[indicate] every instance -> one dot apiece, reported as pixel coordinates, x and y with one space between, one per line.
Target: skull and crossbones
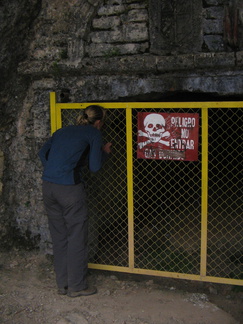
154 126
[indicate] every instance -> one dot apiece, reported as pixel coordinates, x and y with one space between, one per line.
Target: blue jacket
64 153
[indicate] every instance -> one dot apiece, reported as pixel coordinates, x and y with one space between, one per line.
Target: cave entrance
179 219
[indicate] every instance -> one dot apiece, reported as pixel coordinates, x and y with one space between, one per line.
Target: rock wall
112 50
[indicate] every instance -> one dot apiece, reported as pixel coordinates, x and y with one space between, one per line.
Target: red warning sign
168 136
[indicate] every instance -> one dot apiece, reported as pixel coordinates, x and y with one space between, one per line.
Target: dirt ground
28 296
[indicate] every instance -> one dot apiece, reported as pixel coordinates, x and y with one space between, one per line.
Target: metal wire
162 217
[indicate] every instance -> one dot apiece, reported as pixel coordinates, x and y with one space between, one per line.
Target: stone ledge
1 170
173 63
239 58
135 64
214 60
109 50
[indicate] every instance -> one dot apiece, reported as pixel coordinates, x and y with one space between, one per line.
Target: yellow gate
178 219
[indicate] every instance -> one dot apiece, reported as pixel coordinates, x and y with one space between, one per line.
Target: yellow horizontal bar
84 105
166 274
154 105
175 275
108 267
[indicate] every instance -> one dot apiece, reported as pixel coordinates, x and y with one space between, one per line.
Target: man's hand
107 148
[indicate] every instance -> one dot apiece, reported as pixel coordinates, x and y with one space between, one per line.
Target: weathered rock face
112 50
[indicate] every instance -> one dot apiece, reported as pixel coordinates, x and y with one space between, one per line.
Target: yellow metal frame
56 122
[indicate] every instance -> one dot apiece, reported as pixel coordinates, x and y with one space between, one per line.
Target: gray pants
68 223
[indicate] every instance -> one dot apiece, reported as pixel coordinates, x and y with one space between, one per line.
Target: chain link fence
148 216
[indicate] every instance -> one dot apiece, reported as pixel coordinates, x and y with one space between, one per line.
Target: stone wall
1 171
112 50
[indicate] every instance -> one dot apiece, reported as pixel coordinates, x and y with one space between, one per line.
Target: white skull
154 125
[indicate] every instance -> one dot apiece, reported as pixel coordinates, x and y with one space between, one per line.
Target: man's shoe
62 291
84 292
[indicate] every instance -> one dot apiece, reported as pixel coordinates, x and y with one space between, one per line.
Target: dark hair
91 114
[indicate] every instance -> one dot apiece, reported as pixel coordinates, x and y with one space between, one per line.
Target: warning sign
163 136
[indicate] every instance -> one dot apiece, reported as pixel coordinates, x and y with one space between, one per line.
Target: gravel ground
28 296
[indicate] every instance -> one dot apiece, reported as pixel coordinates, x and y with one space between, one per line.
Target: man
65 199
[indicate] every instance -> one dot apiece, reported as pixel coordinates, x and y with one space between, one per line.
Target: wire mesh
166 211
167 200
225 227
